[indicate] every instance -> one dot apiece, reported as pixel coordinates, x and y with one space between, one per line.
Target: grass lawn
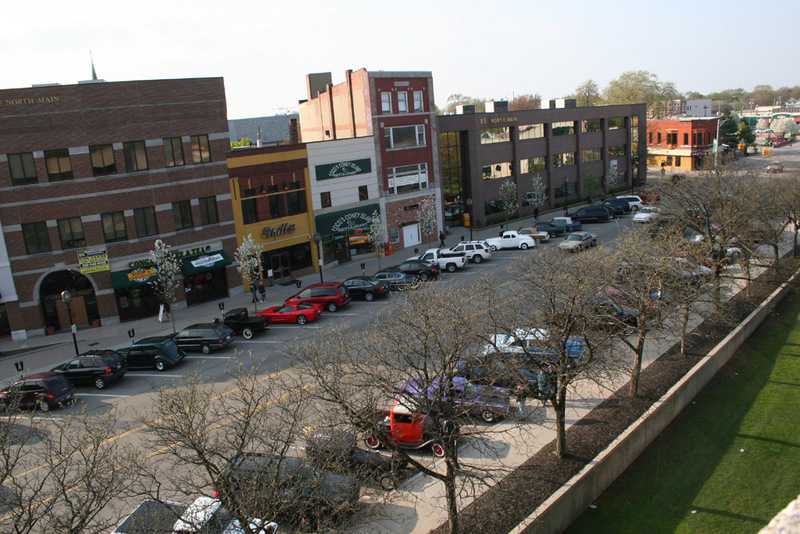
694 478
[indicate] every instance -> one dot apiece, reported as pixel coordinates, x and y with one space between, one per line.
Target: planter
51 330
95 323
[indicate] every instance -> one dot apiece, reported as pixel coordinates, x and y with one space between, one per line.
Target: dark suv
97 367
591 214
40 390
157 352
204 337
332 295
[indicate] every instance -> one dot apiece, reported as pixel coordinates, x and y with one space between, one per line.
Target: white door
411 235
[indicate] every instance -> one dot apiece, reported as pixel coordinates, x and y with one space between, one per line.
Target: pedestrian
441 239
543 383
522 396
536 214
262 292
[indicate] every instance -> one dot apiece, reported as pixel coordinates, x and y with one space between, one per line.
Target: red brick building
680 144
90 176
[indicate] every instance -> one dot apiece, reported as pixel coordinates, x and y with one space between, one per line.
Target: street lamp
66 298
469 207
318 240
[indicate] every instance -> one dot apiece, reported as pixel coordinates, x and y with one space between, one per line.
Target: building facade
680 144
90 176
569 150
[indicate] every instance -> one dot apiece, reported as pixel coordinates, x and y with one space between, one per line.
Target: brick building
680 144
90 176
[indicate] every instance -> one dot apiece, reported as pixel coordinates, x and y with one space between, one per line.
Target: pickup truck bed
239 320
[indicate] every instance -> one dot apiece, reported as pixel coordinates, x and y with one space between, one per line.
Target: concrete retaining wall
564 506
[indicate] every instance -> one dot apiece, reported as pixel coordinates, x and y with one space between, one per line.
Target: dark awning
206 262
133 277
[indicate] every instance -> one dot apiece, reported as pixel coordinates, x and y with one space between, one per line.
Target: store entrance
281 268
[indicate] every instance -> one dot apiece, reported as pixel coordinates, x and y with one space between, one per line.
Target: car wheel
537 241
388 482
99 383
301 319
488 416
205 348
451 267
570 229
424 277
369 297
332 307
477 258
247 333
493 248
372 442
160 365
438 450
551 235
44 406
523 246
594 242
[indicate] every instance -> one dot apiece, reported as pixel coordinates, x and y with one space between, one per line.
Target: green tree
591 184
640 86
728 131
746 134
459 100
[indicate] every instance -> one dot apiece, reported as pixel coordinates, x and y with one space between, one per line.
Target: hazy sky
492 49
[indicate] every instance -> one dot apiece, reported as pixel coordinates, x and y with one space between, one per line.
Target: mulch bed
518 494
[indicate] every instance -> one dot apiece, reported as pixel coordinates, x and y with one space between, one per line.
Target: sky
492 49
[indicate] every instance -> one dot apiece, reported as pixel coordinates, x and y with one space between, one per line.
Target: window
592 154
325 199
36 237
182 215
135 156
402 102
208 211
102 160
564 128
419 106
386 103
70 231
537 163
697 138
408 178
277 209
59 166
685 138
145 220
563 159
496 170
405 136
531 131
173 152
677 161
249 211
394 235
201 153
591 125
495 135
672 138
615 123
296 201
659 138
23 169
651 137
617 150
114 226
363 194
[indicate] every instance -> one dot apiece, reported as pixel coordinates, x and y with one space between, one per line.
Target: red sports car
299 313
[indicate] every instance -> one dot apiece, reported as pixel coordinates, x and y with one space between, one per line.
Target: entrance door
411 235
281 268
78 310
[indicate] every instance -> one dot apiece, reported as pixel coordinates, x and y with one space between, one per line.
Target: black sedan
366 287
551 228
426 270
615 210
398 280
95 367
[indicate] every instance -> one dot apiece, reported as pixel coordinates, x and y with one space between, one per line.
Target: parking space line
101 395
210 357
159 375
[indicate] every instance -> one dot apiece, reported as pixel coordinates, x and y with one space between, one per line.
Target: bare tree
166 283
788 201
248 256
588 92
527 101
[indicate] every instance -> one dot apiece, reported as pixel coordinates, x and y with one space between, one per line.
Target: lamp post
469 208
66 298
566 197
318 240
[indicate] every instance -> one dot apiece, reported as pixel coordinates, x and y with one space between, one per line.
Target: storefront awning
133 277
206 262
346 220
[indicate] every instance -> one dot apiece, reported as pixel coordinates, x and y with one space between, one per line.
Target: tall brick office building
90 176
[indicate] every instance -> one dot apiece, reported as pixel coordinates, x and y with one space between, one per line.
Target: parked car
409 430
615 211
511 239
553 229
445 258
775 166
426 270
399 280
533 345
300 313
609 314
332 295
476 251
578 241
157 352
618 203
635 201
366 287
537 235
646 215
498 372
205 337
95 367
293 485
568 223
239 320
458 395
40 390
335 450
591 214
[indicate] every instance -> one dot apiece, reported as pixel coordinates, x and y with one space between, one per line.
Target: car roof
153 340
324 284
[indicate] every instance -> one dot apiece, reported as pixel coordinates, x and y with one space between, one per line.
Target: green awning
346 220
204 263
133 277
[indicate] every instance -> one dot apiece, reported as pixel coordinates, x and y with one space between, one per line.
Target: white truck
446 259
511 239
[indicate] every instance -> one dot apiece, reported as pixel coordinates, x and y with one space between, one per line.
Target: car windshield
575 237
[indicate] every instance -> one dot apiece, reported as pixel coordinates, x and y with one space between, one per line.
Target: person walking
543 383
441 239
262 292
536 214
522 396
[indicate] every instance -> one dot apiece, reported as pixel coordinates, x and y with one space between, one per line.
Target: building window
402 102
615 123
564 128
685 138
277 208
591 125
135 156
23 169
173 152
296 201
651 137
697 138
363 194
386 103
531 131
495 135
405 136
672 138
497 170
537 163
658 137
36 237
102 157
408 178
249 211
677 161
208 211
114 226
669 161
394 235
617 150
592 154
564 159
419 106
145 219
201 153
182 215
59 166
325 199
70 231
